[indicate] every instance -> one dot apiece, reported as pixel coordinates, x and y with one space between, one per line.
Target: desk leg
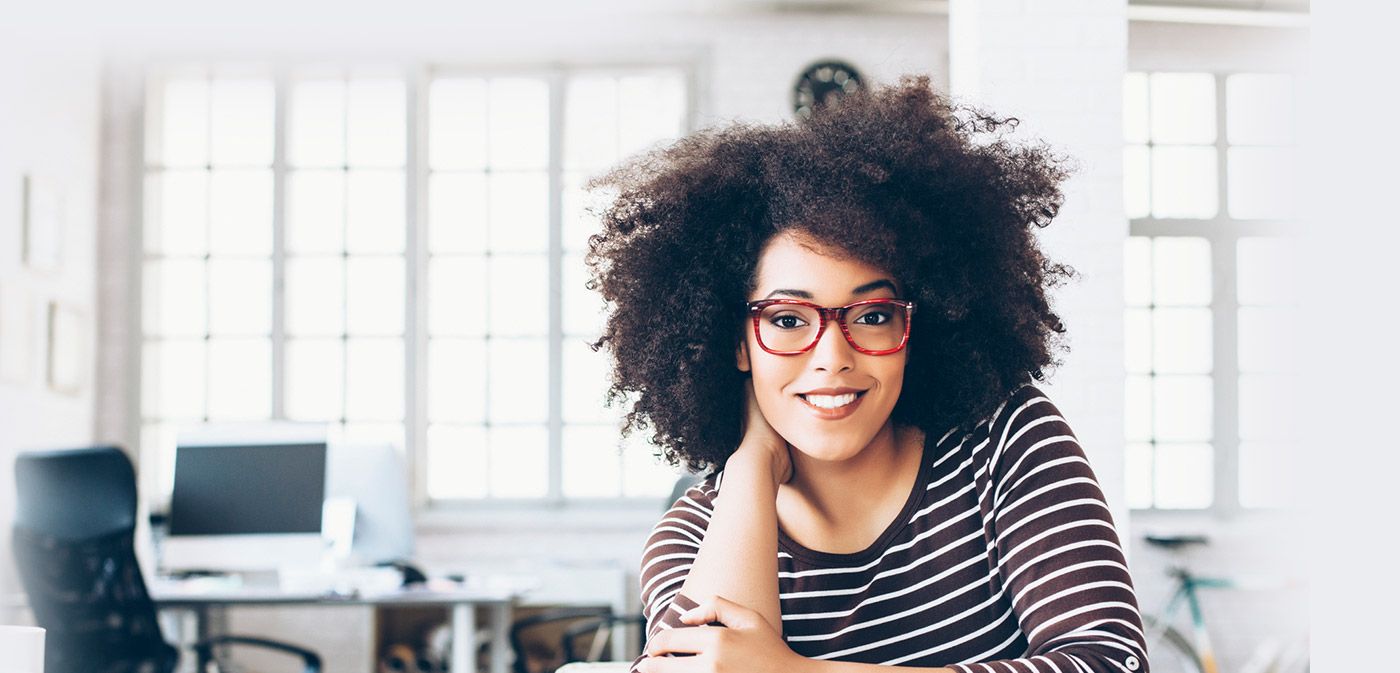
500 637
463 638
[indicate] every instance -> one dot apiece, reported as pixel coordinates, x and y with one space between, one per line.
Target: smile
832 407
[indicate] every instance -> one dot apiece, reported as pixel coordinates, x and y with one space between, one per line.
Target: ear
741 356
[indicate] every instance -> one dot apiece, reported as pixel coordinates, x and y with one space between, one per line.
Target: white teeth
830 401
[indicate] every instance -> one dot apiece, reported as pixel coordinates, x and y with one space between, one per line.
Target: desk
199 601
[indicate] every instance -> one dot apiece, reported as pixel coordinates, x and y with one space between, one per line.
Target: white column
1058 66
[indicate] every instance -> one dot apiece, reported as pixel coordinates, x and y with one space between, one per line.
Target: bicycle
1169 651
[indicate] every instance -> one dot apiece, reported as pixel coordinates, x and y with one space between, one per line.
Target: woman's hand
742 641
760 438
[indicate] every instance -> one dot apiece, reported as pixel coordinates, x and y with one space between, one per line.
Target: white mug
22 648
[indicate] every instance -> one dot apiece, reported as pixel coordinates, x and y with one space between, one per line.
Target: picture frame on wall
16 335
43 216
65 349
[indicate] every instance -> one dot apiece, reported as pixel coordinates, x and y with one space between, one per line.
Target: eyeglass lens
790 327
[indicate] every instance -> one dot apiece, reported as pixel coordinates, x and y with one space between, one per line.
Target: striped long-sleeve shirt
1003 560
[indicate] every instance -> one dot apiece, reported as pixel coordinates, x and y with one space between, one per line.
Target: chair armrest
205 650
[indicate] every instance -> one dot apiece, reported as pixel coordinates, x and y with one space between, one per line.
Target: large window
399 256
1207 166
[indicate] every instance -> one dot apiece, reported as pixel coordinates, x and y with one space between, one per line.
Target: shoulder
688 517
1027 422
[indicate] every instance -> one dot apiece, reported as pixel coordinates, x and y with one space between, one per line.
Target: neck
837 490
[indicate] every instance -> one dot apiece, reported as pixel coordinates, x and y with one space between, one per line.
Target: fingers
682 640
723 611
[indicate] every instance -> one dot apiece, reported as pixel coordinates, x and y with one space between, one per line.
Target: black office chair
75 519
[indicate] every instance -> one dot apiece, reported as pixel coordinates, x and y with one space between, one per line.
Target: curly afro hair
898 177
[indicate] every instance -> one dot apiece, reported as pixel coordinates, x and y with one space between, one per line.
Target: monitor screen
248 490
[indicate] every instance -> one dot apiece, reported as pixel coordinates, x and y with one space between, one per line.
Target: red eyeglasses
794 326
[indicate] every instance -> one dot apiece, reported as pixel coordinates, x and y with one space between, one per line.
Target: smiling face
792 266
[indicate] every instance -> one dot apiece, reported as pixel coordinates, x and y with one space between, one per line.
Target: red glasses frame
837 313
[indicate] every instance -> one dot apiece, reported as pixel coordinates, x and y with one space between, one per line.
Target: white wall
49 115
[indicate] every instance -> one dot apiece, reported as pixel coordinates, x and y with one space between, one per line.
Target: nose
832 352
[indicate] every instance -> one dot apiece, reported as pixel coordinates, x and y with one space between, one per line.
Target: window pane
1182 408
1137 271
584 309
458 456
1181 273
375 433
184 120
374 203
519 206
651 109
591 462
1268 407
644 475
1262 182
157 459
519 461
315 288
457 295
457 124
374 388
1135 108
1183 108
457 213
316 211
240 212
315 379
316 123
376 114
1137 340
1267 271
1259 109
1184 476
173 301
1137 181
240 122
586 375
240 297
1269 474
1137 408
374 289
1184 182
519 380
240 379
457 380
1181 341
1268 341
575 204
519 122
590 123
519 295
1137 468
177 219
172 379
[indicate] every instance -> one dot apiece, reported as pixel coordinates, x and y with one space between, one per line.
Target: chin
832 449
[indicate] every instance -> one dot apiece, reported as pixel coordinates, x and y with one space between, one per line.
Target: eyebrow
803 294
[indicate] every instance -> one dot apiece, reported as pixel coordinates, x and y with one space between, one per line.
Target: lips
837 413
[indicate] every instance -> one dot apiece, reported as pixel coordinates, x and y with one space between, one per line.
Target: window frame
1223 233
621 512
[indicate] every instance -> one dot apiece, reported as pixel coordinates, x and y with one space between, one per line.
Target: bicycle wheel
1168 651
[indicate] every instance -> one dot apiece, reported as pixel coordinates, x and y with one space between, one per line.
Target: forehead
792 262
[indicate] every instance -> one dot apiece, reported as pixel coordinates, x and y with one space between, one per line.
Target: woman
845 315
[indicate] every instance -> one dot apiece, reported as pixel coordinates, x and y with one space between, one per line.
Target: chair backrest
72 540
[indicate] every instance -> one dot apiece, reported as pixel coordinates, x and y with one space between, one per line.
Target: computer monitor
372 476
247 498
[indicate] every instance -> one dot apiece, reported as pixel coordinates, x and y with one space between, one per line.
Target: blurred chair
75 519
594 623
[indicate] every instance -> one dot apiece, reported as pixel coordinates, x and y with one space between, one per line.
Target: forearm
738 558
